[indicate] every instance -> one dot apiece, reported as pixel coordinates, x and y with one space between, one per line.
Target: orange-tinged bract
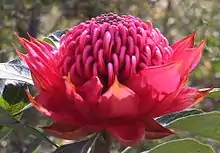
114 74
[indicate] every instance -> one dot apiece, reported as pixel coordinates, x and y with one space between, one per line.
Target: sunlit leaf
182 146
215 93
3 103
14 108
26 107
205 124
15 77
174 116
15 70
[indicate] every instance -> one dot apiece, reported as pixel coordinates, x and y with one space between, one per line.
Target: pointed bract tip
18 37
36 105
161 132
21 55
16 34
202 44
191 36
194 33
31 37
200 95
205 90
22 40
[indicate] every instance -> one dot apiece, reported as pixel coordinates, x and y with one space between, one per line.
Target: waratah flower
114 74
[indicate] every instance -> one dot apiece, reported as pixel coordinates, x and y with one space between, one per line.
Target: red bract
114 74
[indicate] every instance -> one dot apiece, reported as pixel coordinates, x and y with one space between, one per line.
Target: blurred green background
175 19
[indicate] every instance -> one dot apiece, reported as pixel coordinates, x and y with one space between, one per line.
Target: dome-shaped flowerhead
114 74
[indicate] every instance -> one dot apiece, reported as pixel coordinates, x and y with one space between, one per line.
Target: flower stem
108 139
91 148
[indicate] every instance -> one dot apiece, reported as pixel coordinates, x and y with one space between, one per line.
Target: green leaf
26 107
12 109
182 146
174 116
16 107
205 124
33 145
214 93
3 103
5 118
15 93
8 122
38 134
77 147
50 41
15 77
84 146
54 38
4 132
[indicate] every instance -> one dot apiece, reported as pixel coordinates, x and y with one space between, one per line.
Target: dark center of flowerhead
110 18
114 19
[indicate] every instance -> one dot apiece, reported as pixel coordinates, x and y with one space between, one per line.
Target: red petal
53 107
50 49
38 76
128 134
153 83
40 48
40 81
66 131
38 106
187 98
42 63
148 96
91 90
91 94
164 78
155 131
198 54
79 103
161 106
179 46
119 101
190 57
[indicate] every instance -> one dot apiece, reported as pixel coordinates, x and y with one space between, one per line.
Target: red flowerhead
114 74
